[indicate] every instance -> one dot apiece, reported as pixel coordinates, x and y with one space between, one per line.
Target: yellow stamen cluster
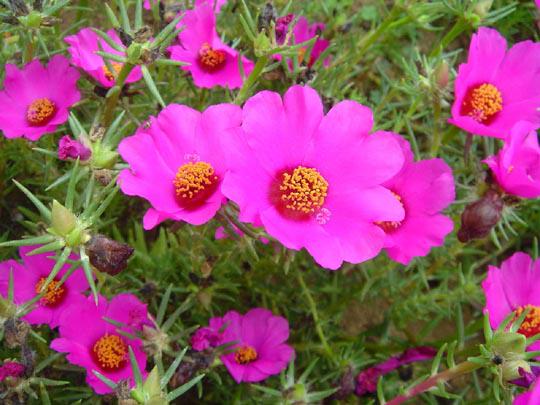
485 101
111 76
211 59
245 355
192 178
389 226
303 190
53 294
40 111
110 352
531 323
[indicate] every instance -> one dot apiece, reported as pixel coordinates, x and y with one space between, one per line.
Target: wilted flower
179 161
480 217
315 181
260 350
36 99
514 288
211 62
497 88
424 189
83 47
95 344
366 380
107 255
29 277
207 337
71 149
11 369
517 165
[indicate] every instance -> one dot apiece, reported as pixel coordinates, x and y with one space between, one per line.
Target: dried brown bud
97 133
346 385
104 176
18 7
15 332
143 35
123 391
190 366
480 217
107 255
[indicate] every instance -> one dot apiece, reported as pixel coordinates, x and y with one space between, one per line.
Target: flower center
531 323
245 355
211 60
299 193
390 226
194 183
482 103
40 112
54 295
111 76
110 352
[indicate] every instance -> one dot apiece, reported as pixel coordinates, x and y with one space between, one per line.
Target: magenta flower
303 32
83 47
216 4
517 165
178 162
95 344
260 350
424 189
28 278
71 149
211 62
36 99
11 369
497 88
531 397
366 380
207 337
315 181
513 288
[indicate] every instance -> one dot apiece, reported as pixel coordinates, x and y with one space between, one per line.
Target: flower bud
511 347
107 255
63 221
11 369
71 149
442 75
15 332
268 15
482 7
480 216
102 157
18 7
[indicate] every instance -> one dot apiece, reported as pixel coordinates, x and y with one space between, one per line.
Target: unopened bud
482 7
268 15
480 217
442 74
511 347
63 221
15 332
107 255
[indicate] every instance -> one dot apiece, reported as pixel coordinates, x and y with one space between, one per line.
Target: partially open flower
71 149
479 217
11 369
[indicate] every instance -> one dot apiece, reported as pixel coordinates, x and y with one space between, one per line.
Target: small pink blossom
217 4
28 278
179 162
11 369
497 87
207 337
36 99
83 47
211 62
424 189
292 163
517 165
96 345
71 149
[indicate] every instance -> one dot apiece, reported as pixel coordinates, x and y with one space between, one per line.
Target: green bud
7 308
63 221
77 237
151 386
299 392
482 7
134 52
262 45
103 158
511 347
33 20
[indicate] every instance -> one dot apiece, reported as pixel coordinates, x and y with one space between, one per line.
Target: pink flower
531 397
517 165
212 63
366 380
95 344
424 189
83 47
28 278
11 369
178 162
497 88
513 288
537 3
215 3
71 149
315 181
260 350
36 99
208 337
303 32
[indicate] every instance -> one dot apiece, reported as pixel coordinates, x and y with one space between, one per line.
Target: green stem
248 85
114 94
461 25
434 380
371 38
314 314
437 134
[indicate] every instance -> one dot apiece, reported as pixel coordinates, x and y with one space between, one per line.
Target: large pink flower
95 344
28 279
36 99
83 47
497 88
424 189
178 162
514 287
315 181
531 397
211 62
260 350
517 165
215 3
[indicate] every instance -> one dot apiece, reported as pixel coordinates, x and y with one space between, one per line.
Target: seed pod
480 217
18 7
15 332
268 15
107 255
124 37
